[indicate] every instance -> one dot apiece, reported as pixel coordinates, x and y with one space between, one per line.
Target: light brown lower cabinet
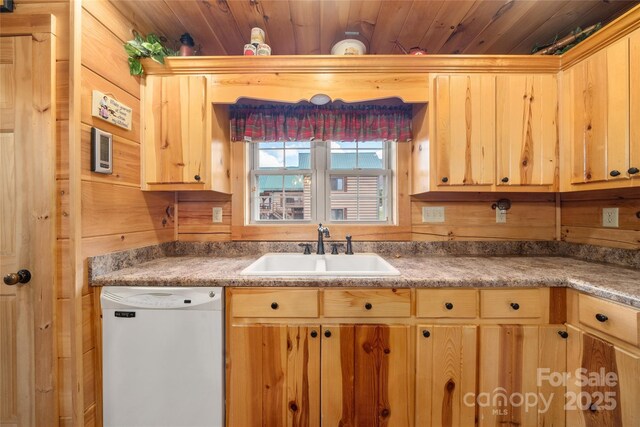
604 384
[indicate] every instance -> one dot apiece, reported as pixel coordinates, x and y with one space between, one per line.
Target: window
321 181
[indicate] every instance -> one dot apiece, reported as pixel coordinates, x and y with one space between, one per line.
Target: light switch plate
610 217
501 216
217 214
433 214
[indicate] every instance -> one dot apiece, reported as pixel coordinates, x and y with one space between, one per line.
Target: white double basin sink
288 264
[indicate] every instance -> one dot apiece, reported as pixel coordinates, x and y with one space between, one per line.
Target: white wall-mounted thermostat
101 151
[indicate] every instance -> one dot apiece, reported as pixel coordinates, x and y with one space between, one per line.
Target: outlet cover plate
501 216
610 217
433 214
217 214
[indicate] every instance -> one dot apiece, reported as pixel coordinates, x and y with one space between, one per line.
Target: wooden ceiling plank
362 18
191 17
503 22
220 20
248 15
121 24
390 21
418 22
449 17
334 16
306 26
476 20
279 27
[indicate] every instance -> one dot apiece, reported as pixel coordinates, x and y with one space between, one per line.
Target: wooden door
601 115
527 129
634 111
273 376
465 129
445 375
604 385
366 376
174 131
27 228
515 363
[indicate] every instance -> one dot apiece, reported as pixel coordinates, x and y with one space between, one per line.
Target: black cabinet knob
327 333
614 173
368 306
274 305
448 306
633 171
426 333
563 334
515 305
314 334
601 317
505 179
197 177
445 179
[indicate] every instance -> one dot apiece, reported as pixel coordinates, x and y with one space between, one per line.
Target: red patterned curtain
325 123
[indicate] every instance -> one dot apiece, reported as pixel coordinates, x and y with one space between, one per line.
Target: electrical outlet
217 214
501 216
610 217
433 214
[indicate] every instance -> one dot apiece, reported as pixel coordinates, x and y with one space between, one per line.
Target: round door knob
327 333
445 179
426 333
368 306
614 173
515 305
274 305
197 177
633 171
448 306
563 334
314 334
22 276
601 317
505 179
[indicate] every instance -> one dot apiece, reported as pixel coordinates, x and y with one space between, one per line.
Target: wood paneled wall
470 216
582 218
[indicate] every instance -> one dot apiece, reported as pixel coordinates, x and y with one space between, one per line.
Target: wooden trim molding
26 25
354 64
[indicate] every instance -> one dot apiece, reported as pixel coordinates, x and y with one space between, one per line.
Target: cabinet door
175 116
604 383
527 129
445 375
366 376
273 376
513 385
634 112
465 129
601 115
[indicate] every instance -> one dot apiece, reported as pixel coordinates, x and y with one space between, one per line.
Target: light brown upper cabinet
185 139
527 129
634 110
464 131
600 101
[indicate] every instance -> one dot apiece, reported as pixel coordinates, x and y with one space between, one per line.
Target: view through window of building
320 181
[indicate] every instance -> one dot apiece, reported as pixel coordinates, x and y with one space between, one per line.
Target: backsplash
107 263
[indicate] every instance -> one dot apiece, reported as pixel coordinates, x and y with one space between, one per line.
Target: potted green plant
151 47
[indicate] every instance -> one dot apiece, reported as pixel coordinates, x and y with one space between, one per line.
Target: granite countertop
615 283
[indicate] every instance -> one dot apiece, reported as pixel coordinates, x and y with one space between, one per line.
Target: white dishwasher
162 356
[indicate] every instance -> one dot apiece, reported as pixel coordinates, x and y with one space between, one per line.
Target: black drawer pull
563 334
274 305
515 305
614 173
314 334
426 333
327 333
633 171
601 317
368 306
505 179
197 178
445 179
448 306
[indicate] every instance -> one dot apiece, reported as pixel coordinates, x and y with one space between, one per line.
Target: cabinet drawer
275 303
367 303
462 303
512 303
611 318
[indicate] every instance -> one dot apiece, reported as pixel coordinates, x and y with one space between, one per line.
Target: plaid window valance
325 123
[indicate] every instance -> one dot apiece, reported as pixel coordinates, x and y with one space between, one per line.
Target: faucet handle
349 250
307 248
334 248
